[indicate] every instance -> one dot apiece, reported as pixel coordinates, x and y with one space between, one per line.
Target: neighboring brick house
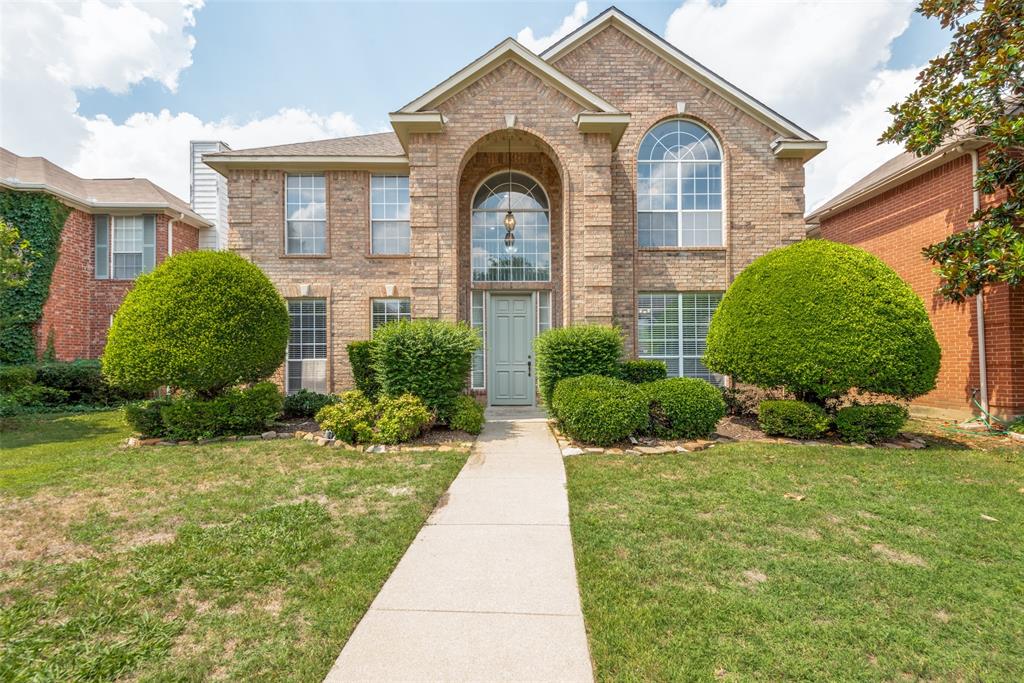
117 229
894 212
640 184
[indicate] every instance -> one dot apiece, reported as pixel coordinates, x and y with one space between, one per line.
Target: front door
510 350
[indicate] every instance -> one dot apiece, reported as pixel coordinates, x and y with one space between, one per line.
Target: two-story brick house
611 180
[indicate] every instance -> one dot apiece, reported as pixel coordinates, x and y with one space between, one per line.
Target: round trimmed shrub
599 410
430 359
351 418
563 352
468 415
400 418
795 419
871 423
684 407
305 403
642 370
821 318
202 321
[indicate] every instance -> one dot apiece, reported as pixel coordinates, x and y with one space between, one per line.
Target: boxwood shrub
360 357
870 423
795 419
400 419
599 410
234 412
683 407
468 415
639 371
144 417
305 403
564 352
430 359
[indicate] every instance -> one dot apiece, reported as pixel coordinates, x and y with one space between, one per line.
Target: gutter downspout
979 300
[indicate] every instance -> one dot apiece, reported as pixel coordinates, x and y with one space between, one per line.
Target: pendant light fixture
510 220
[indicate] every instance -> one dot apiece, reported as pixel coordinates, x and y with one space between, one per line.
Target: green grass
245 560
698 567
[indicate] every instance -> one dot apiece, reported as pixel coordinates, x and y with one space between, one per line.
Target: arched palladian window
679 187
526 257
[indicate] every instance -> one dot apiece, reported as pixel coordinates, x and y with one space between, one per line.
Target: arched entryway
510 281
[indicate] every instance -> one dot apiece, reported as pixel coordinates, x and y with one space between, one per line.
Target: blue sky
119 87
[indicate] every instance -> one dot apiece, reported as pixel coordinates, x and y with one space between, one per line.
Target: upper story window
124 246
526 258
305 214
389 214
679 187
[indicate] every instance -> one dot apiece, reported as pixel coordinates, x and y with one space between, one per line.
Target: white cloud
156 145
48 49
569 24
819 63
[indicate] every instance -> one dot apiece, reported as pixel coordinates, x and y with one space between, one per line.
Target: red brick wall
77 313
895 226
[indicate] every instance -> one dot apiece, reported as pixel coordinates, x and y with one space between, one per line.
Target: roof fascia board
805 150
615 17
92 206
508 49
612 124
407 123
222 164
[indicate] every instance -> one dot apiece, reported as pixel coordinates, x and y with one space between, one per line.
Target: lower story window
389 310
673 327
306 366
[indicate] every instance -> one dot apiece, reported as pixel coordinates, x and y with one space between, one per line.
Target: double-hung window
673 327
306 366
305 214
124 246
389 214
388 310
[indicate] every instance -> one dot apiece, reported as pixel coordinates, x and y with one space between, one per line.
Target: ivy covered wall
40 219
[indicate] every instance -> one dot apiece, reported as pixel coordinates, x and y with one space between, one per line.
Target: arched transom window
527 257
679 187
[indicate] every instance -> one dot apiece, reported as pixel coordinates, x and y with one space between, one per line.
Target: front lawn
774 562
245 560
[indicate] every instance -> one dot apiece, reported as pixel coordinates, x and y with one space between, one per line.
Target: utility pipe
979 300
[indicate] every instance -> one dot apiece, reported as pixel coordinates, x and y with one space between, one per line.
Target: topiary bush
305 403
430 359
870 423
821 318
400 419
795 419
468 415
599 410
642 370
144 417
360 357
351 418
683 407
564 352
234 412
202 321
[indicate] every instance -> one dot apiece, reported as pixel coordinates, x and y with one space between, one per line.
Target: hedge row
234 412
858 423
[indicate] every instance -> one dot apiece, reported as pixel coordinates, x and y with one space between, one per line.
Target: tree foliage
975 91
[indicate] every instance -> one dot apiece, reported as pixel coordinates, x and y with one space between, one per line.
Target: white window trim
680 356
374 221
288 349
287 220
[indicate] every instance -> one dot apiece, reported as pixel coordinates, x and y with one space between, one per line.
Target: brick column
597 230
423 222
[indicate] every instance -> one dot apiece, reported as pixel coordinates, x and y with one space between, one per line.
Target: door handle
529 368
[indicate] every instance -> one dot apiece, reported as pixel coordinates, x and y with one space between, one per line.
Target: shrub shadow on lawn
34 429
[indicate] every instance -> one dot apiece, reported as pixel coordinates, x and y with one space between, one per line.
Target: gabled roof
688 65
374 144
504 51
93 195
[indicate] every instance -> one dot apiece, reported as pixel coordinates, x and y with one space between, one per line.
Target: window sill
387 256
304 256
682 249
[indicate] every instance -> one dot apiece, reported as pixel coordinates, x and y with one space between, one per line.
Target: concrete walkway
487 590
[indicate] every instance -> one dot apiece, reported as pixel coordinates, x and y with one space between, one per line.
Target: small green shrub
360 357
84 382
642 370
1017 426
400 418
564 352
871 423
36 395
430 359
795 419
16 376
202 321
236 411
305 403
144 417
468 415
684 407
351 418
599 410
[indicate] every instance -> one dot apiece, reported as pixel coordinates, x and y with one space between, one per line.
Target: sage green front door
510 350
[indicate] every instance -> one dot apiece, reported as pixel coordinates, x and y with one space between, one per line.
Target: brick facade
77 313
598 268
895 226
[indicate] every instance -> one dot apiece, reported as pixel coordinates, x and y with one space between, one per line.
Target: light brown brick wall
895 226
